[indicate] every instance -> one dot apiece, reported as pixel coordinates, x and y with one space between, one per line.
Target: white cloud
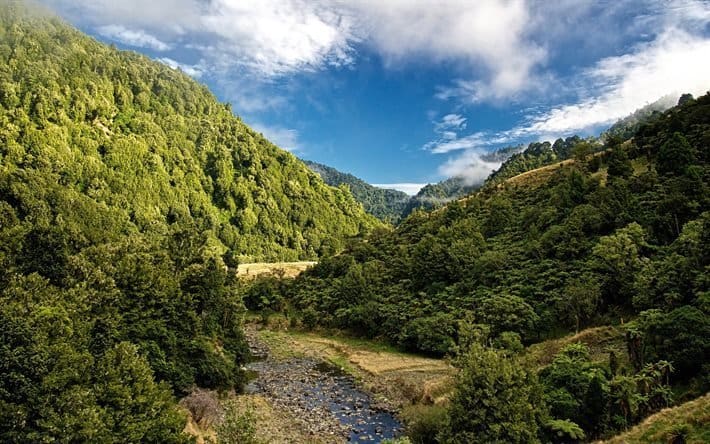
450 122
674 63
268 37
284 138
490 36
195 71
132 37
409 188
469 166
277 37
475 141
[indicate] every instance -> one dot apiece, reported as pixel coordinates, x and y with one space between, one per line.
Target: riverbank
395 379
327 402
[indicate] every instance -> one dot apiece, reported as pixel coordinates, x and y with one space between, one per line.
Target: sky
406 92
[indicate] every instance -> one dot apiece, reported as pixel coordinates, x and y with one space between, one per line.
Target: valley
168 274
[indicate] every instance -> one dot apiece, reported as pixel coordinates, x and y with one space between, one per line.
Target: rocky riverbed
323 399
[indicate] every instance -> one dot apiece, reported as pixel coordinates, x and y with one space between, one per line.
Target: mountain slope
688 423
439 194
154 146
386 205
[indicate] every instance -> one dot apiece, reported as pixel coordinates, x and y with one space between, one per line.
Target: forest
129 196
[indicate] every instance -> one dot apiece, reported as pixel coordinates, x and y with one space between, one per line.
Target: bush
236 427
424 423
203 405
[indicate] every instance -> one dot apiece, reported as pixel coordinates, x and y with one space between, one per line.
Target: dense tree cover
154 147
436 195
626 238
496 400
386 205
625 128
539 154
127 196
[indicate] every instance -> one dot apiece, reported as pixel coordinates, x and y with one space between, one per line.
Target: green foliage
93 126
679 336
564 431
536 155
436 195
425 423
236 427
495 400
577 390
127 196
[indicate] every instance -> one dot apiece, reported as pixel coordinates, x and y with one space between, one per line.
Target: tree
617 258
618 162
136 408
579 300
675 155
495 400
507 313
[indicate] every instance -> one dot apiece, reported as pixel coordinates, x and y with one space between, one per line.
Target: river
324 399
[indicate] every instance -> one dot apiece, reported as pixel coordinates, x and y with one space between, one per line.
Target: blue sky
408 92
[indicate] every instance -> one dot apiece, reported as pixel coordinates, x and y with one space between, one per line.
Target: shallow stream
323 398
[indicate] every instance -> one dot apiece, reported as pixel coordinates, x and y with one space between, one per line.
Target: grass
688 423
600 340
273 424
281 269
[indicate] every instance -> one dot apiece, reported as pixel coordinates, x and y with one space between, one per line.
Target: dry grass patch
273 425
280 269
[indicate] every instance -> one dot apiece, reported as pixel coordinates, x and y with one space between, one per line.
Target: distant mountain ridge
385 204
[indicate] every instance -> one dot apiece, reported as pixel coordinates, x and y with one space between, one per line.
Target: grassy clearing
281 269
536 177
600 340
687 423
394 377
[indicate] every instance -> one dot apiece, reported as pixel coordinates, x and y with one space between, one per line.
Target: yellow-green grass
600 340
688 423
280 269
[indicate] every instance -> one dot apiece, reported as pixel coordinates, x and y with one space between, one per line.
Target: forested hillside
127 196
155 148
619 238
386 205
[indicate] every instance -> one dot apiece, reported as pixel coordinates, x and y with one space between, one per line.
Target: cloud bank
409 188
675 61
278 37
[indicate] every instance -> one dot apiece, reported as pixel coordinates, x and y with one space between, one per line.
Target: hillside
128 195
154 148
598 241
386 205
688 423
